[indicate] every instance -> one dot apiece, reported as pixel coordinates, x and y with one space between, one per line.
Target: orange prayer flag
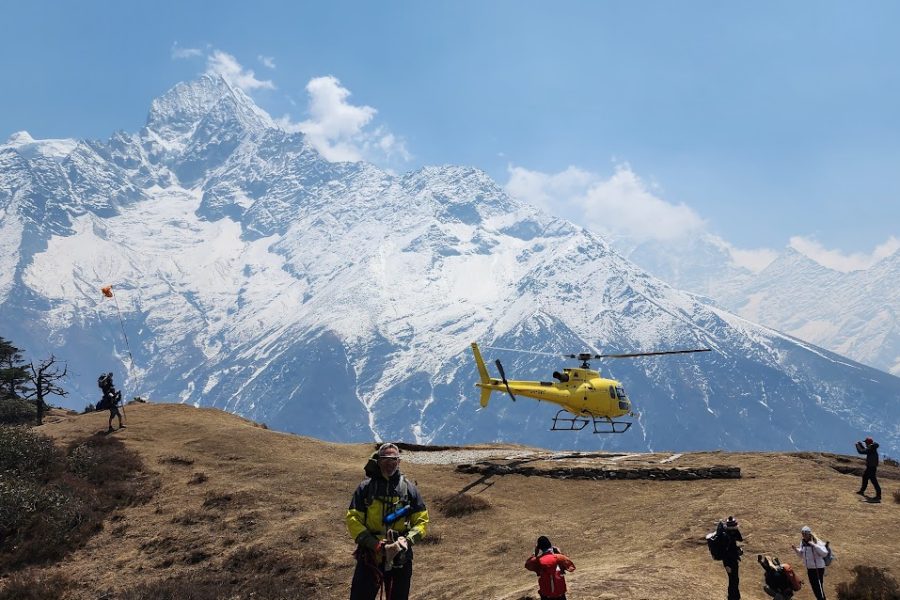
107 291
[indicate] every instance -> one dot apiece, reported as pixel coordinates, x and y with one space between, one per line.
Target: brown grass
32 585
630 540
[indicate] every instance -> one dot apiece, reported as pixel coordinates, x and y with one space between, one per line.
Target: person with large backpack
387 516
731 554
110 399
814 554
870 449
779 580
551 566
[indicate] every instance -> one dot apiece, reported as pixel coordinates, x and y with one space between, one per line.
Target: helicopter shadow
486 480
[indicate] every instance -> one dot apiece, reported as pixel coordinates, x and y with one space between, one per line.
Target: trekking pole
125 335
122 402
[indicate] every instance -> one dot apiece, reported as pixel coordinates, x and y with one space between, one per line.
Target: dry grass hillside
254 513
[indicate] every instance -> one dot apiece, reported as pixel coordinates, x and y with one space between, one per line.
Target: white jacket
813 555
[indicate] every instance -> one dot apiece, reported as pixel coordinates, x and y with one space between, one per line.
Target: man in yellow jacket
387 516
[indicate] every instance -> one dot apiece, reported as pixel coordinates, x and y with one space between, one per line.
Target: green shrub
51 503
871 583
15 411
26 453
40 522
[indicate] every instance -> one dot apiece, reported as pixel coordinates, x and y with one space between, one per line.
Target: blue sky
765 123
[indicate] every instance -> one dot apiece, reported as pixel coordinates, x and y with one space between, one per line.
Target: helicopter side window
620 392
612 392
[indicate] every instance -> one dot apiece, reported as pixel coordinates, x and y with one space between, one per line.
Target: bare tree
44 377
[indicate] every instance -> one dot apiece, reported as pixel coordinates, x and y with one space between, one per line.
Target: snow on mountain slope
856 313
338 300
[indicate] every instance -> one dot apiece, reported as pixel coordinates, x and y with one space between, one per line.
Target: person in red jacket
550 565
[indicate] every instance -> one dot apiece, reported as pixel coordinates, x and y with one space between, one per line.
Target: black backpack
717 542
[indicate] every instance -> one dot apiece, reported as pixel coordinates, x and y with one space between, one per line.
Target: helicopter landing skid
577 423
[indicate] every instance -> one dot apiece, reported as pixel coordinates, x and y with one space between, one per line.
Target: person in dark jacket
732 558
870 449
387 515
110 400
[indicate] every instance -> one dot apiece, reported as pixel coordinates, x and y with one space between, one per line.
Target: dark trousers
543 597
367 581
734 580
817 582
868 476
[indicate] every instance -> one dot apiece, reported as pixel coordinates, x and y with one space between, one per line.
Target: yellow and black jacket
377 497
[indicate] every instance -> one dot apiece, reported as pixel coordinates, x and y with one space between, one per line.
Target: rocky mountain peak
179 111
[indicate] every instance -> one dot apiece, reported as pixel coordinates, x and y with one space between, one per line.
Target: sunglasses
389 458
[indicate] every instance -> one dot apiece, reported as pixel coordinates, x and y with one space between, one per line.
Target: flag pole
107 291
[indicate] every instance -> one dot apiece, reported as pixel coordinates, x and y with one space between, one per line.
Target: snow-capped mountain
339 300
856 314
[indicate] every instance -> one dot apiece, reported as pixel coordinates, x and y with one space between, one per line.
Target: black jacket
871 453
732 550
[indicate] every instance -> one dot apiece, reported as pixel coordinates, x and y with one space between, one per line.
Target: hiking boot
121 427
110 430
861 493
876 499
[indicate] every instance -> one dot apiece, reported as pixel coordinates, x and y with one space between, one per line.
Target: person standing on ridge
732 558
110 400
870 449
813 553
550 565
387 516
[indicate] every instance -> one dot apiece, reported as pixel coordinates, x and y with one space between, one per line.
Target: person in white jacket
813 553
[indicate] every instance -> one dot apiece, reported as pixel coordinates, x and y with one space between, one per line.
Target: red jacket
550 567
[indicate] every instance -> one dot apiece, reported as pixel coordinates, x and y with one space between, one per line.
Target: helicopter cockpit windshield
624 404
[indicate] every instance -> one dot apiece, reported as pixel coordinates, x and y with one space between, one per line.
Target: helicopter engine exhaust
561 377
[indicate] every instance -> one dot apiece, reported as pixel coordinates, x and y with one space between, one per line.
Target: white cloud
753 260
621 205
338 129
622 208
839 261
181 53
224 64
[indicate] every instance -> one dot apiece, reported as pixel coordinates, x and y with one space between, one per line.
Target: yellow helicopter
585 397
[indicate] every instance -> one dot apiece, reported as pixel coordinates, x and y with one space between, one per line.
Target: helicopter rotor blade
503 377
522 351
656 353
